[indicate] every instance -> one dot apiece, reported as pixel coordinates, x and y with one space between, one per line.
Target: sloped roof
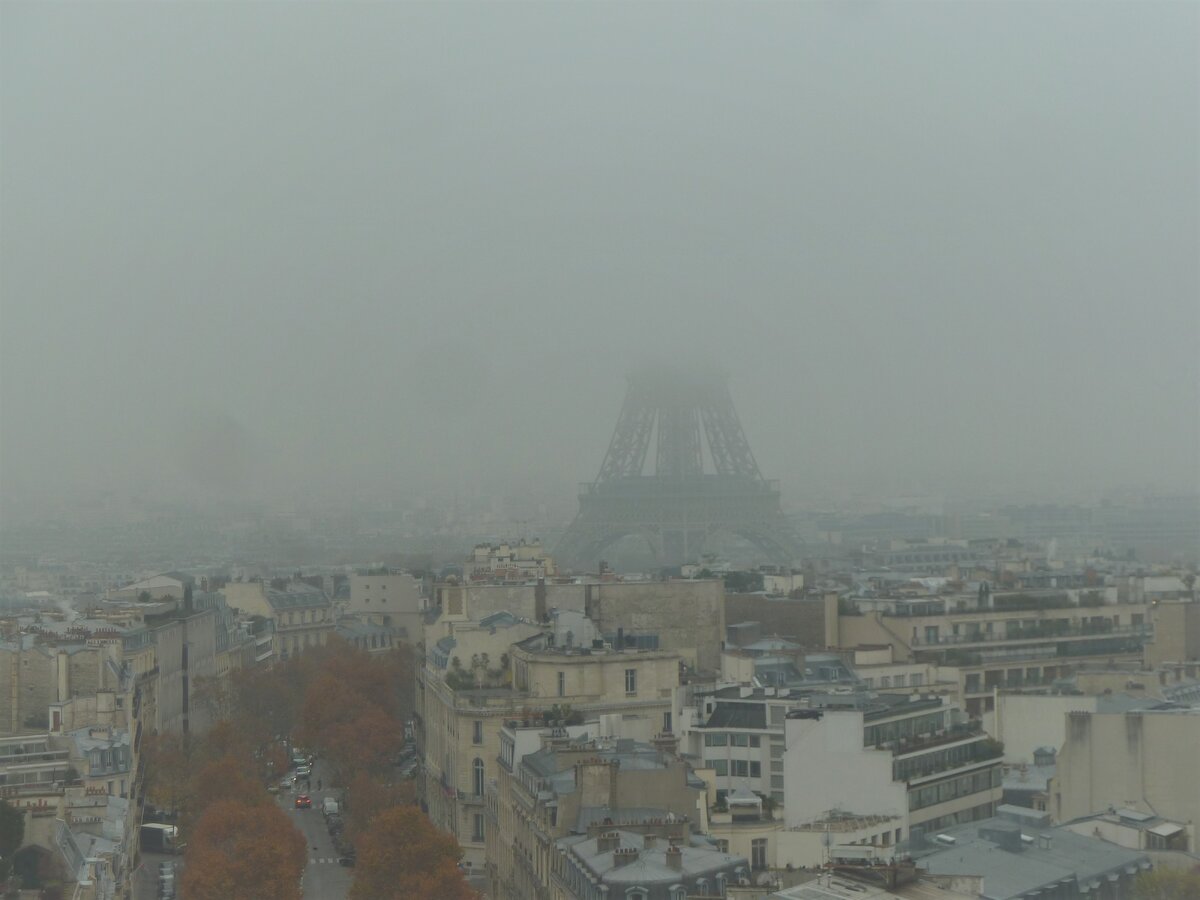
729 714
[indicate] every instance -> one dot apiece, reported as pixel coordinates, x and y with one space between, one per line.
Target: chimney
674 857
539 601
833 635
666 743
648 841
623 856
610 840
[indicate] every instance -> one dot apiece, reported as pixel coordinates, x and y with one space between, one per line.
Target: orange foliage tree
404 857
367 797
243 852
168 760
226 779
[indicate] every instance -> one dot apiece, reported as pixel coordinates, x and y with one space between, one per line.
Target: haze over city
256 250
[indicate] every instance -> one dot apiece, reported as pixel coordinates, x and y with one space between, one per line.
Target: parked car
347 860
304 771
304 802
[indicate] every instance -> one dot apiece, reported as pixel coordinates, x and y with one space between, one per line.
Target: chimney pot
674 857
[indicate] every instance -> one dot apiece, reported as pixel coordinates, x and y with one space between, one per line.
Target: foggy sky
300 249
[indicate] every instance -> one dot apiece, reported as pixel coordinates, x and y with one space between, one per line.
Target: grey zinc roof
297 596
650 867
1007 874
1034 778
626 815
85 741
358 628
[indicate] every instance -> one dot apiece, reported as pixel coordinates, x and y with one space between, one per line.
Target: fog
343 250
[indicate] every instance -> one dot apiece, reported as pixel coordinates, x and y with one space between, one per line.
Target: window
718 739
631 681
739 740
720 766
666 723
562 684
741 769
477 827
755 740
477 732
758 853
477 783
755 770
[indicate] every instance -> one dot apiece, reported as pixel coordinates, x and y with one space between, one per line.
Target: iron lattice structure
679 506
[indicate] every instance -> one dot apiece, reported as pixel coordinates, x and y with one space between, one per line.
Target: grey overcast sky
307 248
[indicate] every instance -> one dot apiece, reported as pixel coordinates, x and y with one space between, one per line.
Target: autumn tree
349 716
243 852
226 779
404 857
367 797
1167 884
168 759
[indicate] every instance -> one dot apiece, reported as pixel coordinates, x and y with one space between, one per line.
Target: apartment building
1175 634
302 614
613 862
913 757
683 616
1144 759
572 786
390 599
519 562
462 708
997 639
735 732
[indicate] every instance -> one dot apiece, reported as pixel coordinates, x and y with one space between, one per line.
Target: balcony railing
1040 633
985 750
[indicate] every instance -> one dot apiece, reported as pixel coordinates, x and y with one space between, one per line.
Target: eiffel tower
679 506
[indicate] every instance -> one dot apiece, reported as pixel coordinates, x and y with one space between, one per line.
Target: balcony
963 756
1043 632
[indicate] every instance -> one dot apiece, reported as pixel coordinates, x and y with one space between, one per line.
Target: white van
329 806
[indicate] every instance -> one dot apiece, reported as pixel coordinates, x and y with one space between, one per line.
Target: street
324 879
145 877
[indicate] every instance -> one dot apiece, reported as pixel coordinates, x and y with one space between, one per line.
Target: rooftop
648 863
1014 864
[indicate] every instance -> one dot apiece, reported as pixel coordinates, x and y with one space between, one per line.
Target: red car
304 802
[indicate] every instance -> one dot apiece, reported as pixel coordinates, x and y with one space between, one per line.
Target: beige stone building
1144 760
522 561
391 599
1176 637
462 709
550 785
302 614
1014 640
683 616
899 756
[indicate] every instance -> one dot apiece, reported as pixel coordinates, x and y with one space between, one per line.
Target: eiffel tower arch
703 478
